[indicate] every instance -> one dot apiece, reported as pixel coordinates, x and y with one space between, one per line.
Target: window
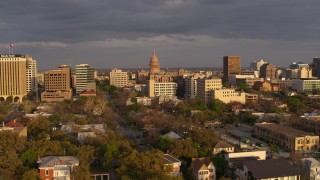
47 172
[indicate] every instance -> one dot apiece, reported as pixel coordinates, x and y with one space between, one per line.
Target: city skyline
186 33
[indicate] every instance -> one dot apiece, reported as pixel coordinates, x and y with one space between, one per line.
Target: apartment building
290 139
119 78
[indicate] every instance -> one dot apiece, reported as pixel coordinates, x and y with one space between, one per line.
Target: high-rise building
31 74
57 84
154 64
255 65
205 87
118 78
157 89
231 66
85 78
268 72
13 70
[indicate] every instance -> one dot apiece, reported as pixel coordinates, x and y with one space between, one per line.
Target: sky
185 33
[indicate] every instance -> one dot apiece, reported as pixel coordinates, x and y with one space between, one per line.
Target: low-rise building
16 128
171 165
252 97
57 167
266 86
203 168
172 135
309 85
290 139
119 78
144 101
229 95
267 169
223 146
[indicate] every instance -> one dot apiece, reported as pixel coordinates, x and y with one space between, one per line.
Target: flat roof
284 129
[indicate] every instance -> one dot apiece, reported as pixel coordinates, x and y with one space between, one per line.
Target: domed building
154 64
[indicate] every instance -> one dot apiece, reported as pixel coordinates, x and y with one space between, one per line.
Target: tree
38 128
218 106
164 143
221 164
183 148
32 174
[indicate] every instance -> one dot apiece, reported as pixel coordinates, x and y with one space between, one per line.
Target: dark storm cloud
72 26
82 20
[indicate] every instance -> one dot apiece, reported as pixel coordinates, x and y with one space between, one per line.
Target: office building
205 87
13 71
57 84
119 78
255 65
157 89
316 67
190 84
231 66
290 139
308 85
268 72
85 78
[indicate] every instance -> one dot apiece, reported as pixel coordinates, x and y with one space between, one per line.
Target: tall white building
31 74
162 88
255 65
119 78
85 81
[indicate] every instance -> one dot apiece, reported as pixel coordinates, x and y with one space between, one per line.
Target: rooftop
271 168
222 144
169 159
197 163
284 129
52 161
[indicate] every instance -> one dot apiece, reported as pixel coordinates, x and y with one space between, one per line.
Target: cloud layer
122 33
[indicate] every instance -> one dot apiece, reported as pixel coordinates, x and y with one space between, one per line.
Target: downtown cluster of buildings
19 76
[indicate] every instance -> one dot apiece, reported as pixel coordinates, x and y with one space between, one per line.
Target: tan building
229 95
266 86
231 66
13 69
268 72
57 84
223 146
291 139
159 88
142 76
205 87
31 74
119 78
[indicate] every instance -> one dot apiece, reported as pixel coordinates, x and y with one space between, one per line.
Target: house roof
52 161
169 159
271 168
172 135
222 144
88 92
289 131
198 163
14 123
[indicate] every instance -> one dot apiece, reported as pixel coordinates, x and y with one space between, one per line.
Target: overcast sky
185 33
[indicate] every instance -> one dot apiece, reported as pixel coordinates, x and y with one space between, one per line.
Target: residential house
16 128
311 168
203 169
223 146
171 164
57 167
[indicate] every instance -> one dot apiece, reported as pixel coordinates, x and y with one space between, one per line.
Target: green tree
221 164
218 106
183 148
164 143
38 128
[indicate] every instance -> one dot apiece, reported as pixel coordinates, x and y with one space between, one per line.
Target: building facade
31 74
85 80
203 168
119 78
13 80
57 84
159 88
305 85
205 87
268 72
291 139
231 66
190 84
229 95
